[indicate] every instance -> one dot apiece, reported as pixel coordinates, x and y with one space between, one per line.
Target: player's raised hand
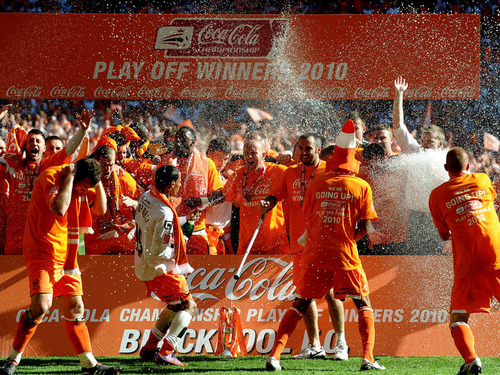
400 84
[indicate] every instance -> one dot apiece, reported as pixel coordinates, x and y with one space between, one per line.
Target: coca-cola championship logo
227 38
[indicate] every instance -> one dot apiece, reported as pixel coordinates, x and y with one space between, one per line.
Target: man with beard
199 178
293 188
22 174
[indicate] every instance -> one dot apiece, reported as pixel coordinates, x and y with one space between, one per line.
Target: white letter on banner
130 341
182 348
261 339
250 338
100 66
204 338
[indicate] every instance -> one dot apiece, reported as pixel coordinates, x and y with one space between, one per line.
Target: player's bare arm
361 229
76 140
4 110
99 206
400 87
63 199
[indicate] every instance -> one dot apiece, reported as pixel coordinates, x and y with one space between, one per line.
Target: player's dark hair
219 144
88 168
119 138
104 151
164 176
185 130
317 139
53 138
457 160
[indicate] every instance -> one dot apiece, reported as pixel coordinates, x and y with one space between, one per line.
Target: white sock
15 355
181 320
173 340
87 360
340 337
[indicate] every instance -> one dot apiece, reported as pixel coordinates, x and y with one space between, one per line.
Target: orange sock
166 348
286 328
153 340
25 330
366 327
78 334
464 341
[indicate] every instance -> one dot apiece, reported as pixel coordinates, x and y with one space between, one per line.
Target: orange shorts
473 294
47 278
314 283
169 288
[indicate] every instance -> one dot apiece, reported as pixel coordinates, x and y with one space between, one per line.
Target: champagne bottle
188 227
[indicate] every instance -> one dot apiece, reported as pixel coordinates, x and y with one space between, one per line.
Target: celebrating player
161 262
58 208
462 210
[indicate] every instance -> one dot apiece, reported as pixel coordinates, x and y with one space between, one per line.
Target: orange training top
291 190
464 206
272 234
334 203
46 234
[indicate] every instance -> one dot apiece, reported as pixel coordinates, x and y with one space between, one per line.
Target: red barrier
171 56
410 297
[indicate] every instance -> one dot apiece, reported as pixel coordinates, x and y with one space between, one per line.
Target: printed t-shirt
333 204
20 189
114 232
464 206
290 189
272 233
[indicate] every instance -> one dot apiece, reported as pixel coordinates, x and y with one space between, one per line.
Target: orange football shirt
334 203
464 206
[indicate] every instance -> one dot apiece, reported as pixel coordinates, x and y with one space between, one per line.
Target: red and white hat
344 155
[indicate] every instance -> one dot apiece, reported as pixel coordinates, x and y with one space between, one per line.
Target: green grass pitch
205 364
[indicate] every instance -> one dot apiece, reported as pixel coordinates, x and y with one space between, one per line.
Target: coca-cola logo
329 93
422 92
243 34
73 92
24 92
379 92
262 190
269 278
242 93
162 92
206 92
112 92
467 92
213 37
296 184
